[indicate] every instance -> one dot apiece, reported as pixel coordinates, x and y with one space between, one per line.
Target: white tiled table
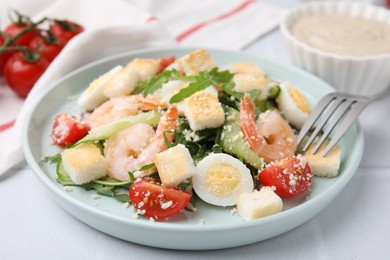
355 226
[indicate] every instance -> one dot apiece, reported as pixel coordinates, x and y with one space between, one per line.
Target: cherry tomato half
67 130
290 177
65 30
47 50
155 201
24 40
21 75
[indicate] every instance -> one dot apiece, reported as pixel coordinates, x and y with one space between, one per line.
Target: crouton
146 68
93 96
247 68
123 83
193 63
203 110
126 80
327 166
174 165
84 163
247 82
258 204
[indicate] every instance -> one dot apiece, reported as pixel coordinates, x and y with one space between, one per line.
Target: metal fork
333 109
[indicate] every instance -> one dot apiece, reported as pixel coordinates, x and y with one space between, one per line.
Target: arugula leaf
202 81
146 167
122 197
200 143
221 76
153 84
227 101
51 159
106 191
228 88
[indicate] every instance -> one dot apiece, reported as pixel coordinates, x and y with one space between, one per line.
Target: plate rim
165 225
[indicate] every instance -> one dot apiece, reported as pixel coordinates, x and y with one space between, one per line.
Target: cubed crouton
327 166
126 80
84 163
194 62
93 96
174 165
247 82
258 204
122 83
203 110
146 68
247 68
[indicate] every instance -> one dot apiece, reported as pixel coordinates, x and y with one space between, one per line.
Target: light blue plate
209 227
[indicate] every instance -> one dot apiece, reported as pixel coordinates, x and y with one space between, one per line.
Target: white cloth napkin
113 26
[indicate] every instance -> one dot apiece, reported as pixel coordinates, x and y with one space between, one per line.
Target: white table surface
355 225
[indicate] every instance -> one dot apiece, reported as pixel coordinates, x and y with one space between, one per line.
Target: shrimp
120 107
271 137
134 147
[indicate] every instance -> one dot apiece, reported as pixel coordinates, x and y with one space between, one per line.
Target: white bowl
365 75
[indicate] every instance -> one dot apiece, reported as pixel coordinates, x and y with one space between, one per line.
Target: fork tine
339 114
324 119
319 108
346 123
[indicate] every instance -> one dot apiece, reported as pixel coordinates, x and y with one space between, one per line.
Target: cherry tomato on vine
24 40
21 74
67 130
65 30
46 50
155 201
290 177
4 57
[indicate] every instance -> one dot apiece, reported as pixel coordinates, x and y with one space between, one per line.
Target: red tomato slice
65 30
155 201
21 74
67 130
46 50
13 29
290 177
165 62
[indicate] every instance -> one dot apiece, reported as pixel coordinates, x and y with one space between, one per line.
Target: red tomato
21 75
67 130
65 30
47 50
290 177
165 62
4 57
155 201
13 29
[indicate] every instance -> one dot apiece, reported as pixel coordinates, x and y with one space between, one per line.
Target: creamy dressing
343 34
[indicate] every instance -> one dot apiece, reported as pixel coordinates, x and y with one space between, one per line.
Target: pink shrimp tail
248 125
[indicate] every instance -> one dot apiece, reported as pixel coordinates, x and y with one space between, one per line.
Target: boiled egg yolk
299 99
222 179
